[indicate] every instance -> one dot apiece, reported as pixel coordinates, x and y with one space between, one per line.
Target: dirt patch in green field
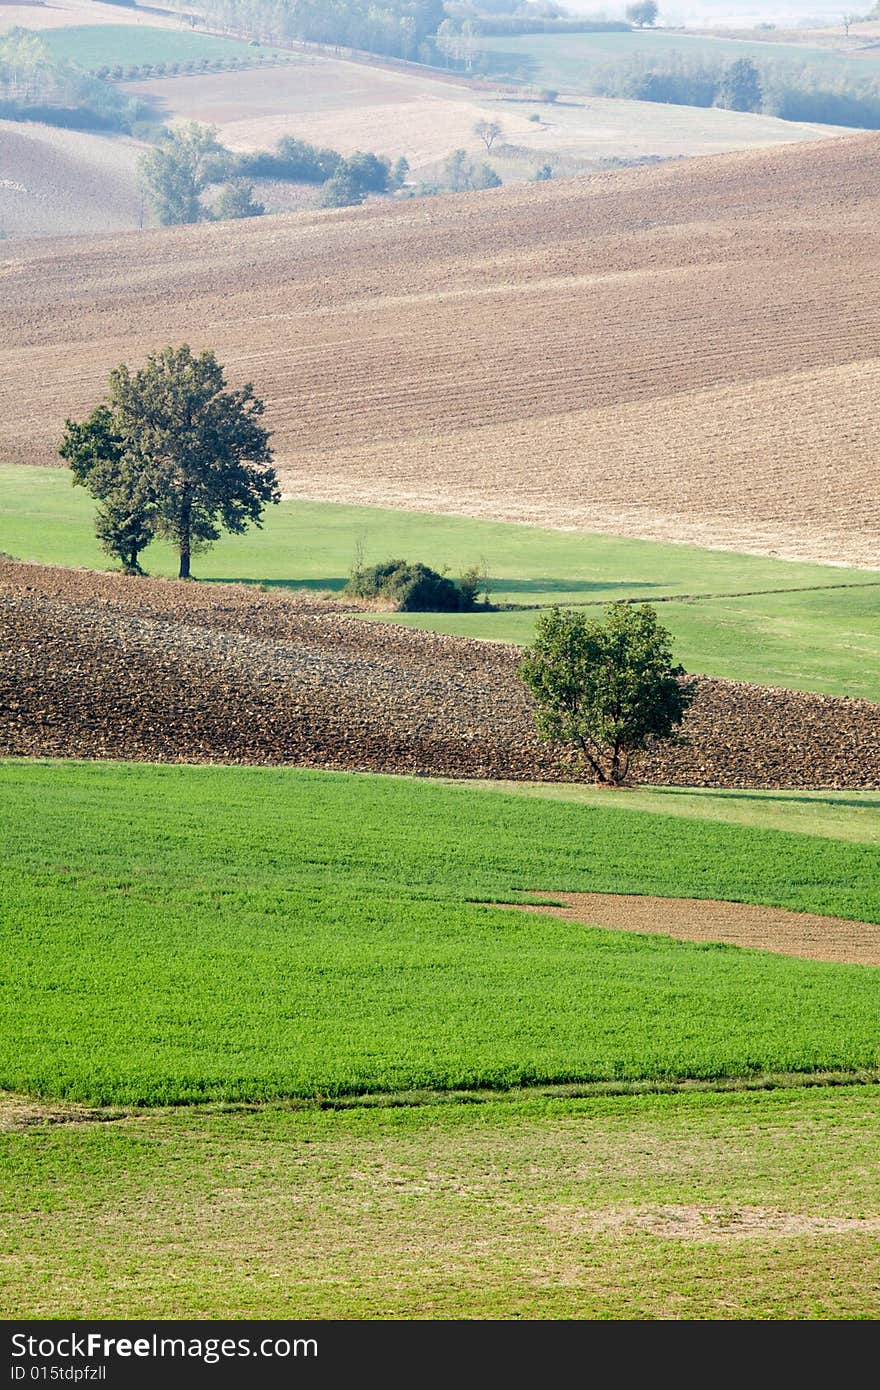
734 924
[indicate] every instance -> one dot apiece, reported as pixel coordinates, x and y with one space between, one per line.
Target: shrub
413 588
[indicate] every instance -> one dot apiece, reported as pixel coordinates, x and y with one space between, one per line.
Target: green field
499 1210
106 45
818 638
182 934
563 61
851 816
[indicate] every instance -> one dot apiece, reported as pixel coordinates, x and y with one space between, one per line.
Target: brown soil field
355 106
734 924
54 182
99 666
686 351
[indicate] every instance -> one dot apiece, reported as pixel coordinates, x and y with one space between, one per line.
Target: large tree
193 451
607 689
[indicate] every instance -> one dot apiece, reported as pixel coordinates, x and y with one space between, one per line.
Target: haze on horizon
731 13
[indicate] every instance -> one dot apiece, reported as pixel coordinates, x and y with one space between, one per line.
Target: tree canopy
607 689
172 452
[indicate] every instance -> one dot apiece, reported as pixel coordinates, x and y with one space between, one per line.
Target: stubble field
654 353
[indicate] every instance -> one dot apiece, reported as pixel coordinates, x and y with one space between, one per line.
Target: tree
643 13
192 451
178 170
740 87
488 132
125 522
461 175
236 199
607 689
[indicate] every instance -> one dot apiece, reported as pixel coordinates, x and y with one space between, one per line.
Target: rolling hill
685 352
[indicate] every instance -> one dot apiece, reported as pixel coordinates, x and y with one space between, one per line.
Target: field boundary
29 1111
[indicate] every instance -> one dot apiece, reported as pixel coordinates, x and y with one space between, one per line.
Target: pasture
695 1206
246 934
819 637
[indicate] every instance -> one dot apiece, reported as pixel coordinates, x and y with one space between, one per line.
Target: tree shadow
829 798
313 585
567 586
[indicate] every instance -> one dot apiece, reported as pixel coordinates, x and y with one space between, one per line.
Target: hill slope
685 352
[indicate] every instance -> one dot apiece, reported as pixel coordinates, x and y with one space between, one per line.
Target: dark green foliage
543 174
125 522
413 588
201 446
607 689
172 453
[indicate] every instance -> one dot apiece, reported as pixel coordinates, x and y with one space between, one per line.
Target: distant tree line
774 89
36 86
395 28
189 160
508 26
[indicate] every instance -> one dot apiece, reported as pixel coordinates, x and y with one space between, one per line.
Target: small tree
606 689
235 200
488 132
643 13
740 87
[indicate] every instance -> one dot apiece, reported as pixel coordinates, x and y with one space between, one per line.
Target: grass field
753 1206
180 934
563 60
851 816
821 639
104 45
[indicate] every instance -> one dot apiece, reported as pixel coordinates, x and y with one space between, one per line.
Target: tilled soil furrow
98 666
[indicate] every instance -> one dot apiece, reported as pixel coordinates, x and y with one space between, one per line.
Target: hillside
54 182
687 351
98 666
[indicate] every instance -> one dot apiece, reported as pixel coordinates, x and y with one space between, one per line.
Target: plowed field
100 666
689 351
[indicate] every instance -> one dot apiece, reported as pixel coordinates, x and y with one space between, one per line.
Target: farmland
269 964
329 989
822 635
106 45
103 667
564 60
543 353
350 106
683 1206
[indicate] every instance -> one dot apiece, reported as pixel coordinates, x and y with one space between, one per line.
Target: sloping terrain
689 351
54 182
94 665
424 116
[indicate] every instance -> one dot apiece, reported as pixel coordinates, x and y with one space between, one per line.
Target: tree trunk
185 528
